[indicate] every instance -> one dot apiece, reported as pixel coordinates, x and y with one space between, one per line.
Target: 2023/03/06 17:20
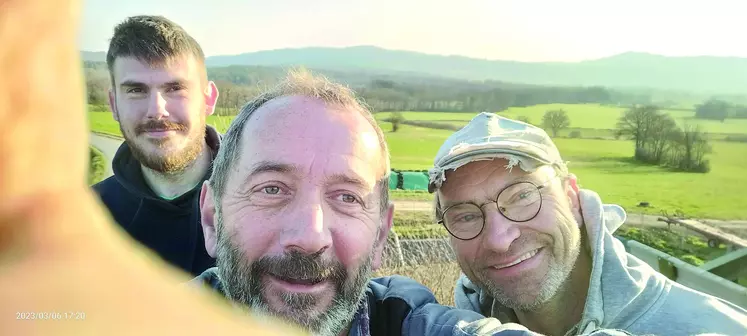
51 315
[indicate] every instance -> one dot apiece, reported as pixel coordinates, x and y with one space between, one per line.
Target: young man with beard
537 250
161 97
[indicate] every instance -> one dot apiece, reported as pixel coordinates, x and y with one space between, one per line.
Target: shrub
686 247
691 259
97 166
396 119
736 138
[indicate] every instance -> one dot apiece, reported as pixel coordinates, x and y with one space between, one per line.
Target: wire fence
431 262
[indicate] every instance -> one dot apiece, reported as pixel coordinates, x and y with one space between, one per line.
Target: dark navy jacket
397 305
170 228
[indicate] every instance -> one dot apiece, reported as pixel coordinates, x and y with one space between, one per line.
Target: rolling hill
703 74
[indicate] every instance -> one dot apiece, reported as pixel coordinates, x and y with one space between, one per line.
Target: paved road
108 146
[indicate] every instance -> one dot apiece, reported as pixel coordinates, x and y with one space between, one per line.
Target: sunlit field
592 120
602 165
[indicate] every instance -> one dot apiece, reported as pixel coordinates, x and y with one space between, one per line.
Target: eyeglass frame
440 219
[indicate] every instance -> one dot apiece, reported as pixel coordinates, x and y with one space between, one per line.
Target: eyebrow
284 168
271 167
526 178
134 83
346 179
262 167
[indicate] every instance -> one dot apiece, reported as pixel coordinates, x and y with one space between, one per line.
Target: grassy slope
601 165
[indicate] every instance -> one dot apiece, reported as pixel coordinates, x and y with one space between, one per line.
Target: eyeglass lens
519 202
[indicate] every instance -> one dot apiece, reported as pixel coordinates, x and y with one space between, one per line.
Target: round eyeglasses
518 202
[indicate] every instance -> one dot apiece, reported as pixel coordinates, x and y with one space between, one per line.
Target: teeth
520 259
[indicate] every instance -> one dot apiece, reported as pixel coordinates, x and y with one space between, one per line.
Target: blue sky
524 30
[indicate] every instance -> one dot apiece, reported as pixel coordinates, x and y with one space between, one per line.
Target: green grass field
601 165
103 122
588 117
605 166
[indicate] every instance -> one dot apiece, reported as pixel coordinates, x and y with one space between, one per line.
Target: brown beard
174 162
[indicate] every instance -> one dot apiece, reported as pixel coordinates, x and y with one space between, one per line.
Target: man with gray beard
297 213
537 250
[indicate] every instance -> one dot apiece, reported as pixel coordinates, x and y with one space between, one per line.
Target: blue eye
272 190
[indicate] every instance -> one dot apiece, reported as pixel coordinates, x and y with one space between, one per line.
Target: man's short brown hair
155 40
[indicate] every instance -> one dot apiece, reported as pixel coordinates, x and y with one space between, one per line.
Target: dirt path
738 227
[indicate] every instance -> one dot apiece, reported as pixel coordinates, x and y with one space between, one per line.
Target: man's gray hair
303 83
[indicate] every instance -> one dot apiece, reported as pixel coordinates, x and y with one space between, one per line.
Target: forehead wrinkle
280 114
470 172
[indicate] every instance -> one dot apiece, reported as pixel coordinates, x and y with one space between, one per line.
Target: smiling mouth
299 281
160 130
523 257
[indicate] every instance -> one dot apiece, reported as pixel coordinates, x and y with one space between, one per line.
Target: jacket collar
127 171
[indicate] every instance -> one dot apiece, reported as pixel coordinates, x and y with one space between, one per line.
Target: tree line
658 139
717 109
391 92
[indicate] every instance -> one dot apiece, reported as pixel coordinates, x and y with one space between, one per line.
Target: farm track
108 146
738 227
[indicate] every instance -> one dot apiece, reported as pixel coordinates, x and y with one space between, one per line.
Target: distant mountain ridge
701 74
93 56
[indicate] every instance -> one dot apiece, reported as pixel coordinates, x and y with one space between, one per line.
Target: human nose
499 232
157 106
306 231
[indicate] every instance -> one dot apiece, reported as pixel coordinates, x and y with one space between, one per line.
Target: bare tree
650 129
659 140
556 120
396 119
663 129
689 150
636 123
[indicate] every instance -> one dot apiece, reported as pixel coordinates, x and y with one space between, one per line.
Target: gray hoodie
625 293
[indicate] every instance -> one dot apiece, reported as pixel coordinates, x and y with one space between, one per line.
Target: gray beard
557 276
242 283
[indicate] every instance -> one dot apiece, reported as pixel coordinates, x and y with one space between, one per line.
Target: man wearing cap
535 249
